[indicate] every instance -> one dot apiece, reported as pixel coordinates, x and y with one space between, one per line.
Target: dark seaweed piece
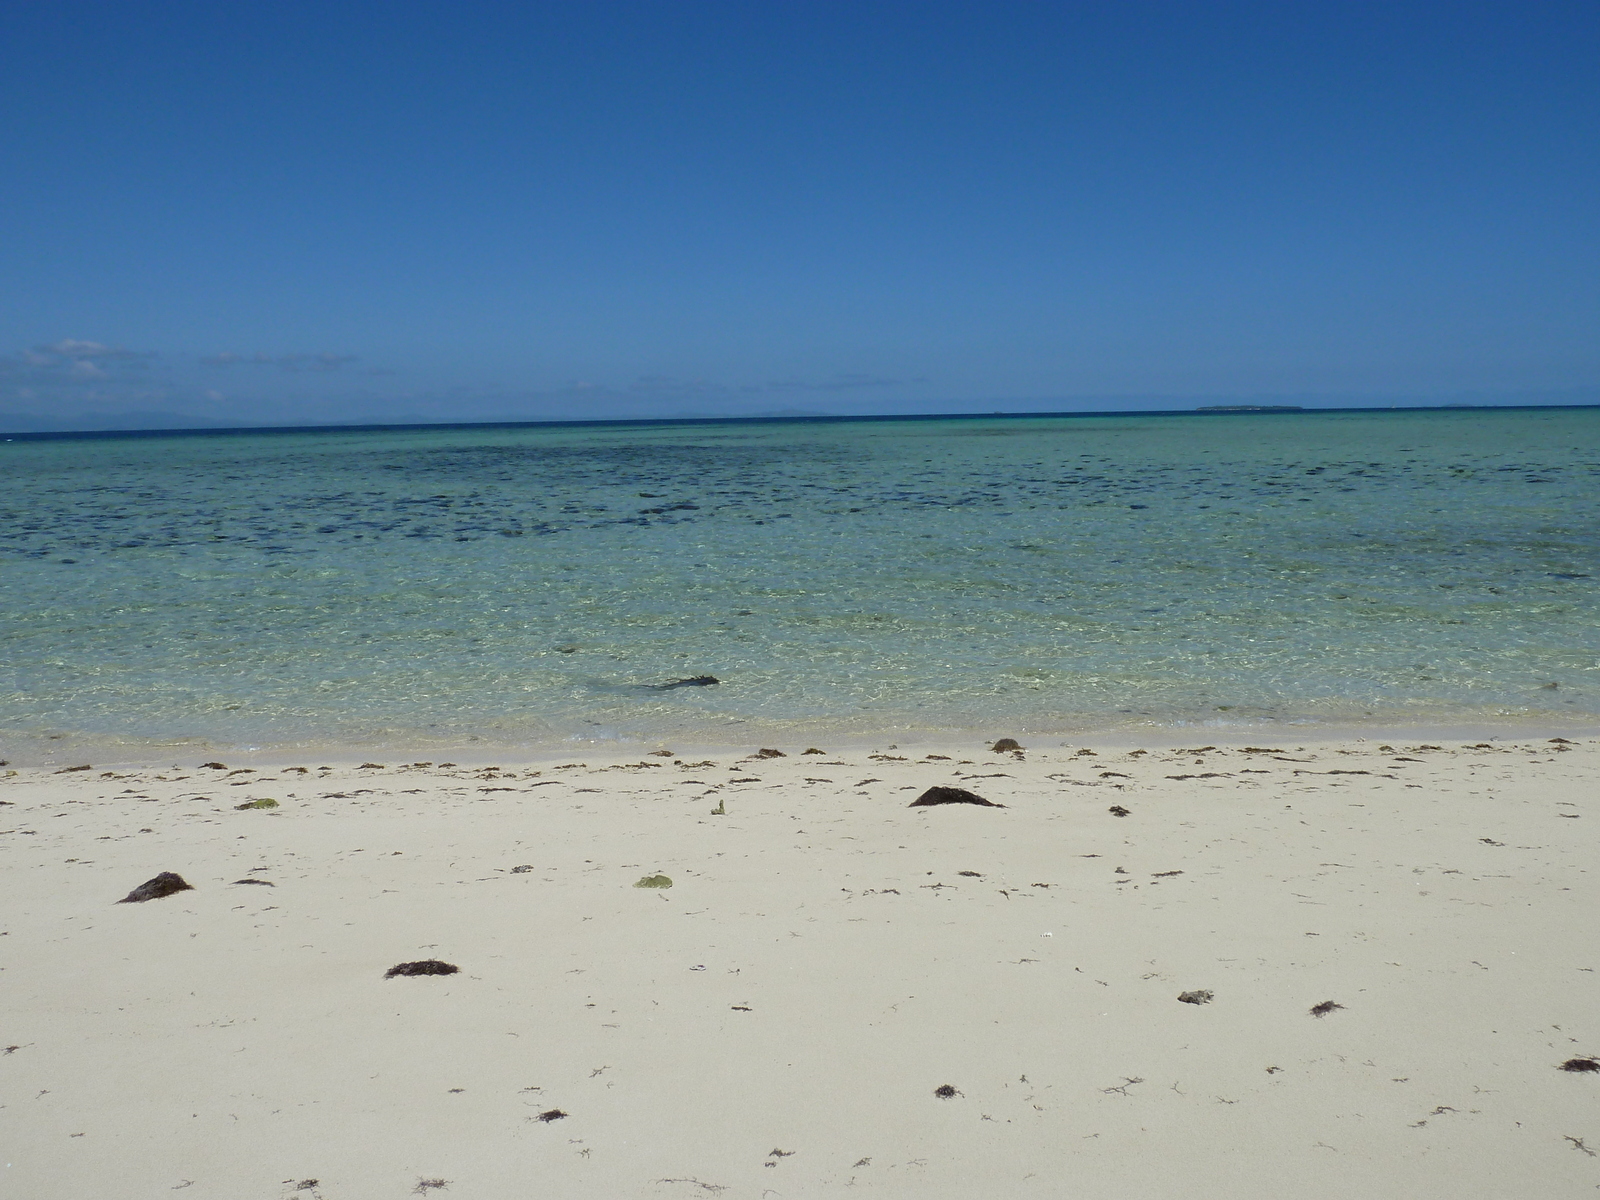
696 681
950 795
165 884
428 966
70 770
945 1092
523 869
257 882
769 754
1005 744
1323 1009
1198 997
1116 810
1587 1063
813 750
214 766
553 1114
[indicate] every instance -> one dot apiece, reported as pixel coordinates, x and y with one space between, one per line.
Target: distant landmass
1252 408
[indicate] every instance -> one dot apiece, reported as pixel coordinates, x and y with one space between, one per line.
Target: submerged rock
696 681
950 795
167 883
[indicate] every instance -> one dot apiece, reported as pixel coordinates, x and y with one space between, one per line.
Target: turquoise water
524 585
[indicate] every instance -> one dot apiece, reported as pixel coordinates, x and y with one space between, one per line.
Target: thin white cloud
289 362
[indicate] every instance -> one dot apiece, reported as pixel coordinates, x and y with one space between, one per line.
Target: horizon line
1219 410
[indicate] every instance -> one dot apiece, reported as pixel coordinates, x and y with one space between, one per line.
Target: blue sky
347 211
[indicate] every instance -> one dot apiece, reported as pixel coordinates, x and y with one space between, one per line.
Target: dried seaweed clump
1196 997
1004 745
951 795
553 1114
1586 1063
1323 1009
427 966
1116 810
654 881
945 1092
167 883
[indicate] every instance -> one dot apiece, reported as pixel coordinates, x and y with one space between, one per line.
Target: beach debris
70 770
769 754
257 882
1116 810
1587 1063
813 750
551 1114
167 883
370 767
1323 1009
213 766
1004 745
654 881
971 874
950 795
945 1092
664 753
1490 842
427 966
1196 997
523 869
265 802
424 1186
695 681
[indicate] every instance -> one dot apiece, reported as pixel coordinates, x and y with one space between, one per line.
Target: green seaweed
256 804
654 881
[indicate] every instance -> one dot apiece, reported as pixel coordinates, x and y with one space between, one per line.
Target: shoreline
57 750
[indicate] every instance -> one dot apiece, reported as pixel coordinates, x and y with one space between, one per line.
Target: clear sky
400 210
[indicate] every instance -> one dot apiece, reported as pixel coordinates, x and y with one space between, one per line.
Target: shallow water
522 585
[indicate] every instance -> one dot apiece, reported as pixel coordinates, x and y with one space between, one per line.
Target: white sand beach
779 1021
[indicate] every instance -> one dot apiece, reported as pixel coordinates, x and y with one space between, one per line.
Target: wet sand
837 994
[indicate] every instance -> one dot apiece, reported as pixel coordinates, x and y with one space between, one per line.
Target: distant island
1251 408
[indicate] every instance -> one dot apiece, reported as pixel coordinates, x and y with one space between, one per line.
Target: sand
838 993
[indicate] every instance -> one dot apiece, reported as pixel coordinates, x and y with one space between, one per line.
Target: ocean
530 587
